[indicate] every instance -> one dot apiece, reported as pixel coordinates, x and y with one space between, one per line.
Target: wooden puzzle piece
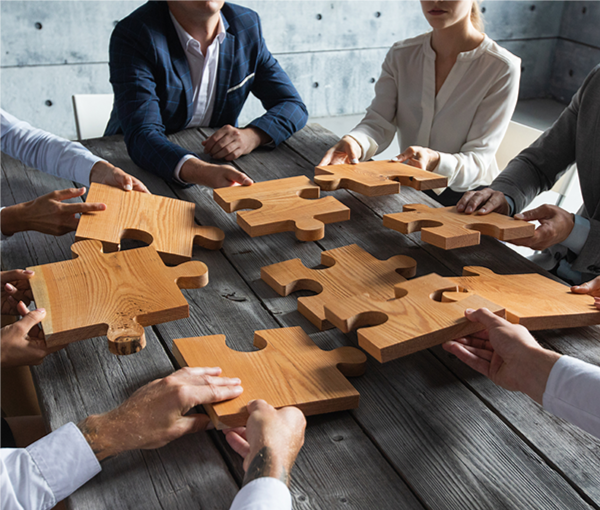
532 300
447 229
165 223
288 370
416 320
375 178
281 206
114 294
351 271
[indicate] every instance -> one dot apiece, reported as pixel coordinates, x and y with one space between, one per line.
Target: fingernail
395 158
469 310
41 310
10 287
128 187
354 161
27 271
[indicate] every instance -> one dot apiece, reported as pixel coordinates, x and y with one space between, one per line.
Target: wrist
193 171
267 463
536 372
13 218
96 430
258 136
99 171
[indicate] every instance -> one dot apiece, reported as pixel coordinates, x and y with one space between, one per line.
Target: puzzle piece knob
128 339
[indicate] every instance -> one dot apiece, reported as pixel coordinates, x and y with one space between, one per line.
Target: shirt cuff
264 493
177 170
83 170
368 145
65 460
578 235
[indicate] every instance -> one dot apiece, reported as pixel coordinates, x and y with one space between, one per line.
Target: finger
258 405
462 203
65 194
32 318
218 381
494 202
467 357
192 375
597 302
476 201
139 186
485 317
326 160
228 148
16 274
238 444
83 207
539 213
215 393
214 138
124 180
236 177
407 154
542 238
592 287
241 431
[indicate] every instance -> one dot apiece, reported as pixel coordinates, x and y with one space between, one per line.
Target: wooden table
429 433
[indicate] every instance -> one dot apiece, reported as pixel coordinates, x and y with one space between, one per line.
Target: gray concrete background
331 50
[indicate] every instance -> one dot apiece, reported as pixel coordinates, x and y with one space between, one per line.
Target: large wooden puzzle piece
416 320
281 206
374 178
446 228
351 271
165 223
288 370
532 300
112 294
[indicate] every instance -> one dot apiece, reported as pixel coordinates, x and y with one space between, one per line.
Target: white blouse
465 122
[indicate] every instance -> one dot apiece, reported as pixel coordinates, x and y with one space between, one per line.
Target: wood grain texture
288 370
351 271
552 305
282 206
412 322
447 229
375 178
166 224
113 294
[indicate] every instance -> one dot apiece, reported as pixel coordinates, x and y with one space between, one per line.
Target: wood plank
507 459
85 378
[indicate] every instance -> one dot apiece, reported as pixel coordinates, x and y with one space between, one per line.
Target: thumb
485 317
124 180
534 214
32 318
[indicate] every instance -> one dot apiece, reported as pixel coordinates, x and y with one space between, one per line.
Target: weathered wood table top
429 433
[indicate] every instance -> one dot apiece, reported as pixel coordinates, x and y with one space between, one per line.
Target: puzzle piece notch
553 306
415 320
165 223
350 271
448 229
289 369
376 178
282 205
114 294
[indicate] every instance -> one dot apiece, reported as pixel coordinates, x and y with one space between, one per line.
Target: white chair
92 112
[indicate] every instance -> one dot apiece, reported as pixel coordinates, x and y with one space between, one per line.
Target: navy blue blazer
153 91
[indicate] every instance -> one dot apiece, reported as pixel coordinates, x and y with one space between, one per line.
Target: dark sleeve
132 60
538 167
286 112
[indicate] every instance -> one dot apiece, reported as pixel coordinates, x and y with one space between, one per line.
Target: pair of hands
157 414
556 224
227 143
23 342
348 150
50 215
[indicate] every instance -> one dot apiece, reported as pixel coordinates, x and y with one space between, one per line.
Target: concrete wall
331 50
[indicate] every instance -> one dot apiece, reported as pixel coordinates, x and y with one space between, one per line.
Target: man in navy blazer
182 64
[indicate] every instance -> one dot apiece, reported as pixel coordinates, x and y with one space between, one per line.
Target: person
449 94
571 241
511 358
50 469
61 158
182 64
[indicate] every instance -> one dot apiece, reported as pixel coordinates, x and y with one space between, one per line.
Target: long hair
476 17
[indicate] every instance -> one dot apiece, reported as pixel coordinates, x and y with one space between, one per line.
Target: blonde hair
476 18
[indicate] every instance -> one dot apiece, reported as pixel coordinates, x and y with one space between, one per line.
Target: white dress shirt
45 151
49 470
465 122
203 70
572 393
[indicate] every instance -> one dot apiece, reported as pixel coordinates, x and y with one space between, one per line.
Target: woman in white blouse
449 94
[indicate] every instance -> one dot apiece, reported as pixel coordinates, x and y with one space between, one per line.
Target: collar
186 39
464 56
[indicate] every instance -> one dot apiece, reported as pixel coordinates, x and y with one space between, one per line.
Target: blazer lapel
226 57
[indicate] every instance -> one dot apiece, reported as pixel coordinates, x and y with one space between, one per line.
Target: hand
592 288
484 201
47 214
419 157
156 413
214 176
230 143
506 353
270 442
23 342
105 173
555 226
346 151
15 288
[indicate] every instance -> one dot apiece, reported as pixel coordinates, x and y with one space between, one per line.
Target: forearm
535 373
